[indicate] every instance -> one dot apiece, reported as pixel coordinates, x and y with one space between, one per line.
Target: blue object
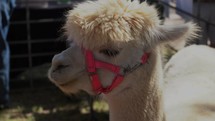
6 7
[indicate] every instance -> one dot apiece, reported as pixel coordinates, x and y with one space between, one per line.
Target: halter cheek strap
93 65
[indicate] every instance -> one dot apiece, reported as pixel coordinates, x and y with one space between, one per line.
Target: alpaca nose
58 63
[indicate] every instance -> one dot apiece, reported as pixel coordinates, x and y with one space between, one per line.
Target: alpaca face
68 70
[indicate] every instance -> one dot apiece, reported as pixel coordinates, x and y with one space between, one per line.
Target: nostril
59 62
59 67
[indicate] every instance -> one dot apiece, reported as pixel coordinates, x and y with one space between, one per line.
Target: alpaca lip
63 82
60 67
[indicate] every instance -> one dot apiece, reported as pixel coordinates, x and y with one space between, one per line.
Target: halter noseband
93 65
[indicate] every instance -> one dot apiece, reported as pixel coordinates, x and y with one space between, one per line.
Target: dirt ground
50 104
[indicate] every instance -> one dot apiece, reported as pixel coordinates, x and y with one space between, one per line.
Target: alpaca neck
142 101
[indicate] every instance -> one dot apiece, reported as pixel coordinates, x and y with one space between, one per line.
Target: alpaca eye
109 52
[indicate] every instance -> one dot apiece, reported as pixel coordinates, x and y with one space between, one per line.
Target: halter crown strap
92 66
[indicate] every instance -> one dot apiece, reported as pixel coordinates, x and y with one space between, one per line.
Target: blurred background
35 36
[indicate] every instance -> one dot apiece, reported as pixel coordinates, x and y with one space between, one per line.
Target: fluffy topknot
93 24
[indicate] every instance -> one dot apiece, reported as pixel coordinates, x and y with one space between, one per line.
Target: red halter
93 64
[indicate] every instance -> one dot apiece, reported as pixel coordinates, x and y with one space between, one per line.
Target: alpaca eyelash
109 52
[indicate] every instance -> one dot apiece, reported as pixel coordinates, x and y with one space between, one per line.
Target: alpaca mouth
59 68
58 77
65 83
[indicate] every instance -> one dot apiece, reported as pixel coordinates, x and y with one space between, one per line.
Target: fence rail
33 38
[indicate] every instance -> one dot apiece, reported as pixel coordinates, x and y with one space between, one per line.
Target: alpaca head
117 32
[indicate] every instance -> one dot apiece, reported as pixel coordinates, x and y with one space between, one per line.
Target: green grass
51 105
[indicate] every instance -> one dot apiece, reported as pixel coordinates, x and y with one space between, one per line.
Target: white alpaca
124 37
190 88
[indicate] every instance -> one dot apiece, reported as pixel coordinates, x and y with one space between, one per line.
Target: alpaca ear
176 35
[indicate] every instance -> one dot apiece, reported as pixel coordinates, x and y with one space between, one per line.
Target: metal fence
202 15
34 39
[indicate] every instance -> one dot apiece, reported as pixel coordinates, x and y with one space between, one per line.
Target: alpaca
115 52
190 85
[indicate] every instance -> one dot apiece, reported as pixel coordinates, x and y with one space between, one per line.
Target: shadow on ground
51 105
